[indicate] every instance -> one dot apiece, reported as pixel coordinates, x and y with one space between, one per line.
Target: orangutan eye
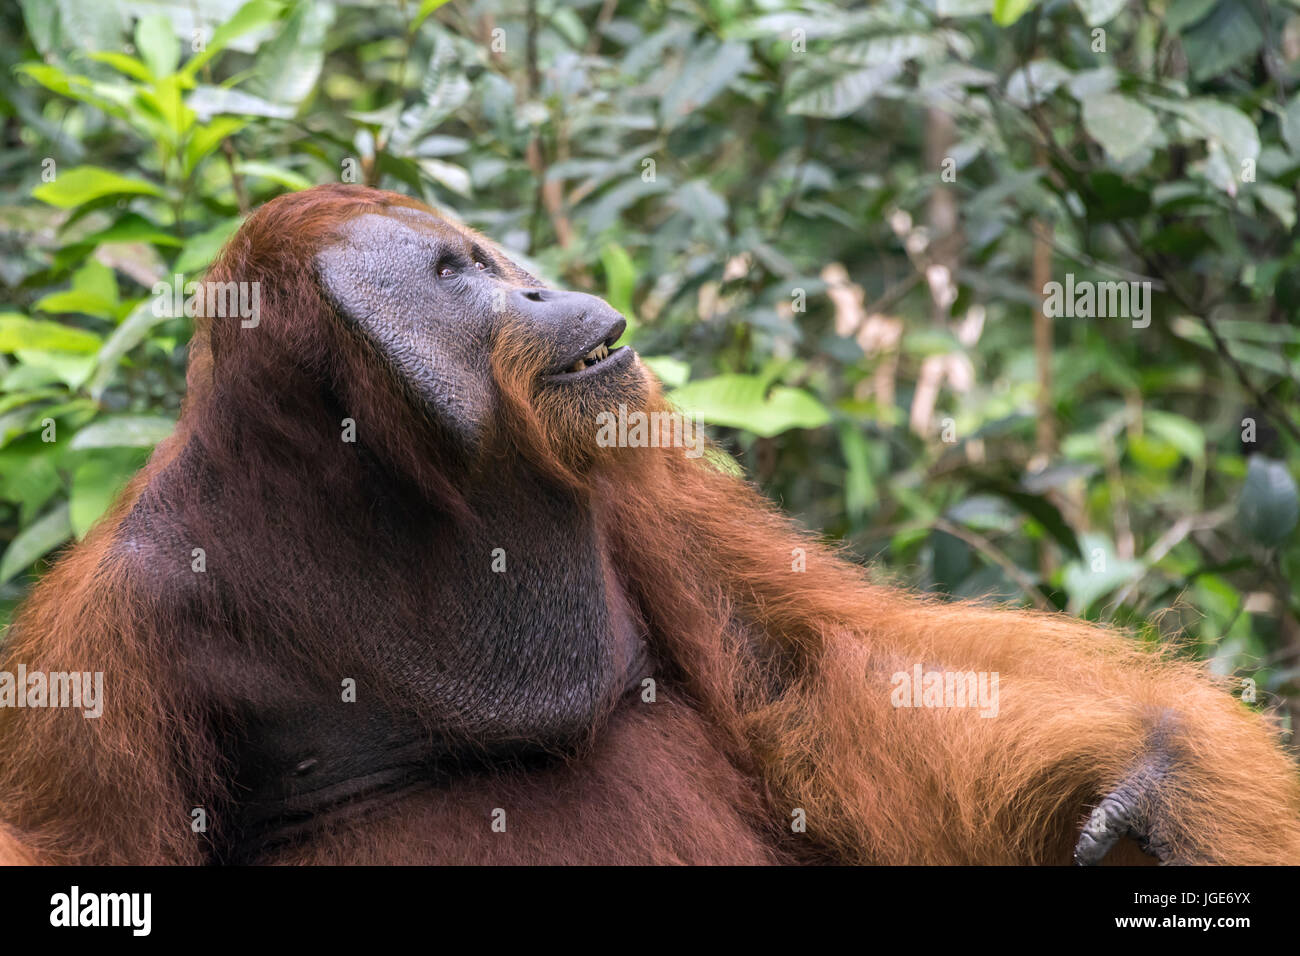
479 265
446 272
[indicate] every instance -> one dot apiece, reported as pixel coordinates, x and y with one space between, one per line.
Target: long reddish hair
780 641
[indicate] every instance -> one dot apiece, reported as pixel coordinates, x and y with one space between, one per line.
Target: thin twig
989 550
602 20
1167 542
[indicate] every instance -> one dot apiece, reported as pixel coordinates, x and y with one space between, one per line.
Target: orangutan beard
569 431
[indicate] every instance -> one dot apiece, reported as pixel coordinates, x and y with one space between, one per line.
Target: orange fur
774 683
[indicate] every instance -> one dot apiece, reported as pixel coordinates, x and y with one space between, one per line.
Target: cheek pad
379 277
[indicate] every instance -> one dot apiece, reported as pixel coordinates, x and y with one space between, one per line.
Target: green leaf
738 401
84 24
604 211
14 399
620 278
897 48
455 178
1097 12
84 183
123 431
94 292
444 88
288 66
1218 123
1280 202
165 105
17 332
111 100
120 341
1273 360
124 64
708 70
1182 433
672 372
1217 169
985 513
1229 36
1089 83
249 17
930 341
132 227
202 248
29 477
41 18
209 101
97 279
837 94
1121 125
1257 331
95 485
426 8
709 210
1035 82
1183 13
1152 453
860 493
963 8
157 43
1007 12
1040 508
71 368
277 174
1270 503
76 300
207 138
1097 573
1291 125
35 541
951 560
23 376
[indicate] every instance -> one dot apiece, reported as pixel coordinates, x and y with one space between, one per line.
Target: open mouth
594 357
603 355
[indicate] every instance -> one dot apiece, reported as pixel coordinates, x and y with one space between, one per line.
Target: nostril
533 295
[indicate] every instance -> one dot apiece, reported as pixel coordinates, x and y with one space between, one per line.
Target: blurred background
830 225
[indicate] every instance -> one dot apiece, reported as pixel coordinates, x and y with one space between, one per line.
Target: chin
574 406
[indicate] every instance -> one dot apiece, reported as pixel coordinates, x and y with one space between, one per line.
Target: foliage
831 226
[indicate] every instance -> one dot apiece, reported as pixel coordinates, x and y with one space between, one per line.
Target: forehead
409 226
415 232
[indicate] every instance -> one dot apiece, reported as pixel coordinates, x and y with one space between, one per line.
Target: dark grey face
433 297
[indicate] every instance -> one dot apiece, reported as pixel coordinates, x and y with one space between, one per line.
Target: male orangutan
383 598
